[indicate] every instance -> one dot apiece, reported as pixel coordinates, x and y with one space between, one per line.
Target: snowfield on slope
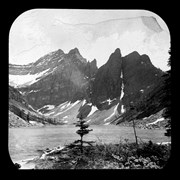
93 109
158 120
69 107
114 112
28 79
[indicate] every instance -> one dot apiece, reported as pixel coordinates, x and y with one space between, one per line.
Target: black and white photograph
89 89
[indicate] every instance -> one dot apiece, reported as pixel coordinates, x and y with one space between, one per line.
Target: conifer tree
81 132
167 112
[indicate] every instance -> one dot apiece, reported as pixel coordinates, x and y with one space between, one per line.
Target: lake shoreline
50 158
22 145
48 154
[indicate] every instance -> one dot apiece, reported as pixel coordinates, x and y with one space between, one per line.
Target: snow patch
34 122
84 101
49 107
54 69
93 109
22 92
109 101
70 106
121 76
31 107
65 117
114 112
75 103
30 91
88 121
148 116
60 59
122 90
163 143
107 123
27 79
33 91
158 120
66 104
123 110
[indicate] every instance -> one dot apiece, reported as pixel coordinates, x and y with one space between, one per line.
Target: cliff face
107 83
139 76
120 83
124 78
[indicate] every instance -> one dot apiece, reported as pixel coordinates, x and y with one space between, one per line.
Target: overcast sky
96 33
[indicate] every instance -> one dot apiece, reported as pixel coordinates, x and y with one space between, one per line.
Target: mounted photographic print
89 89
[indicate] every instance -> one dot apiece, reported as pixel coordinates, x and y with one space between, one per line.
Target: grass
109 156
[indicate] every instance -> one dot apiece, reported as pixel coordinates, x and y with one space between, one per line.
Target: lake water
24 142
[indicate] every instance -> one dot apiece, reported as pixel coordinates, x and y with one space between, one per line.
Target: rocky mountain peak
74 51
94 63
133 55
118 51
60 51
114 57
145 58
107 82
74 54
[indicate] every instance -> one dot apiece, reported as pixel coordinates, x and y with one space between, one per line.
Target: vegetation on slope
22 113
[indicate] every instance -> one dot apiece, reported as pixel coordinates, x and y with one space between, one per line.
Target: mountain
58 77
152 103
139 77
121 82
64 86
108 83
21 113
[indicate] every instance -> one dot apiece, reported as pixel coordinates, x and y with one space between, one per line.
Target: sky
96 33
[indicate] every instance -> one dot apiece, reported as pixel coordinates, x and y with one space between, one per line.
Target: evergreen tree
81 132
167 112
78 144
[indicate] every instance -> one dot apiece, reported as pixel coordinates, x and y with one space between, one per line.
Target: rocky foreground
102 156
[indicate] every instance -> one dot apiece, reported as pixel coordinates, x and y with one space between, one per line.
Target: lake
24 142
